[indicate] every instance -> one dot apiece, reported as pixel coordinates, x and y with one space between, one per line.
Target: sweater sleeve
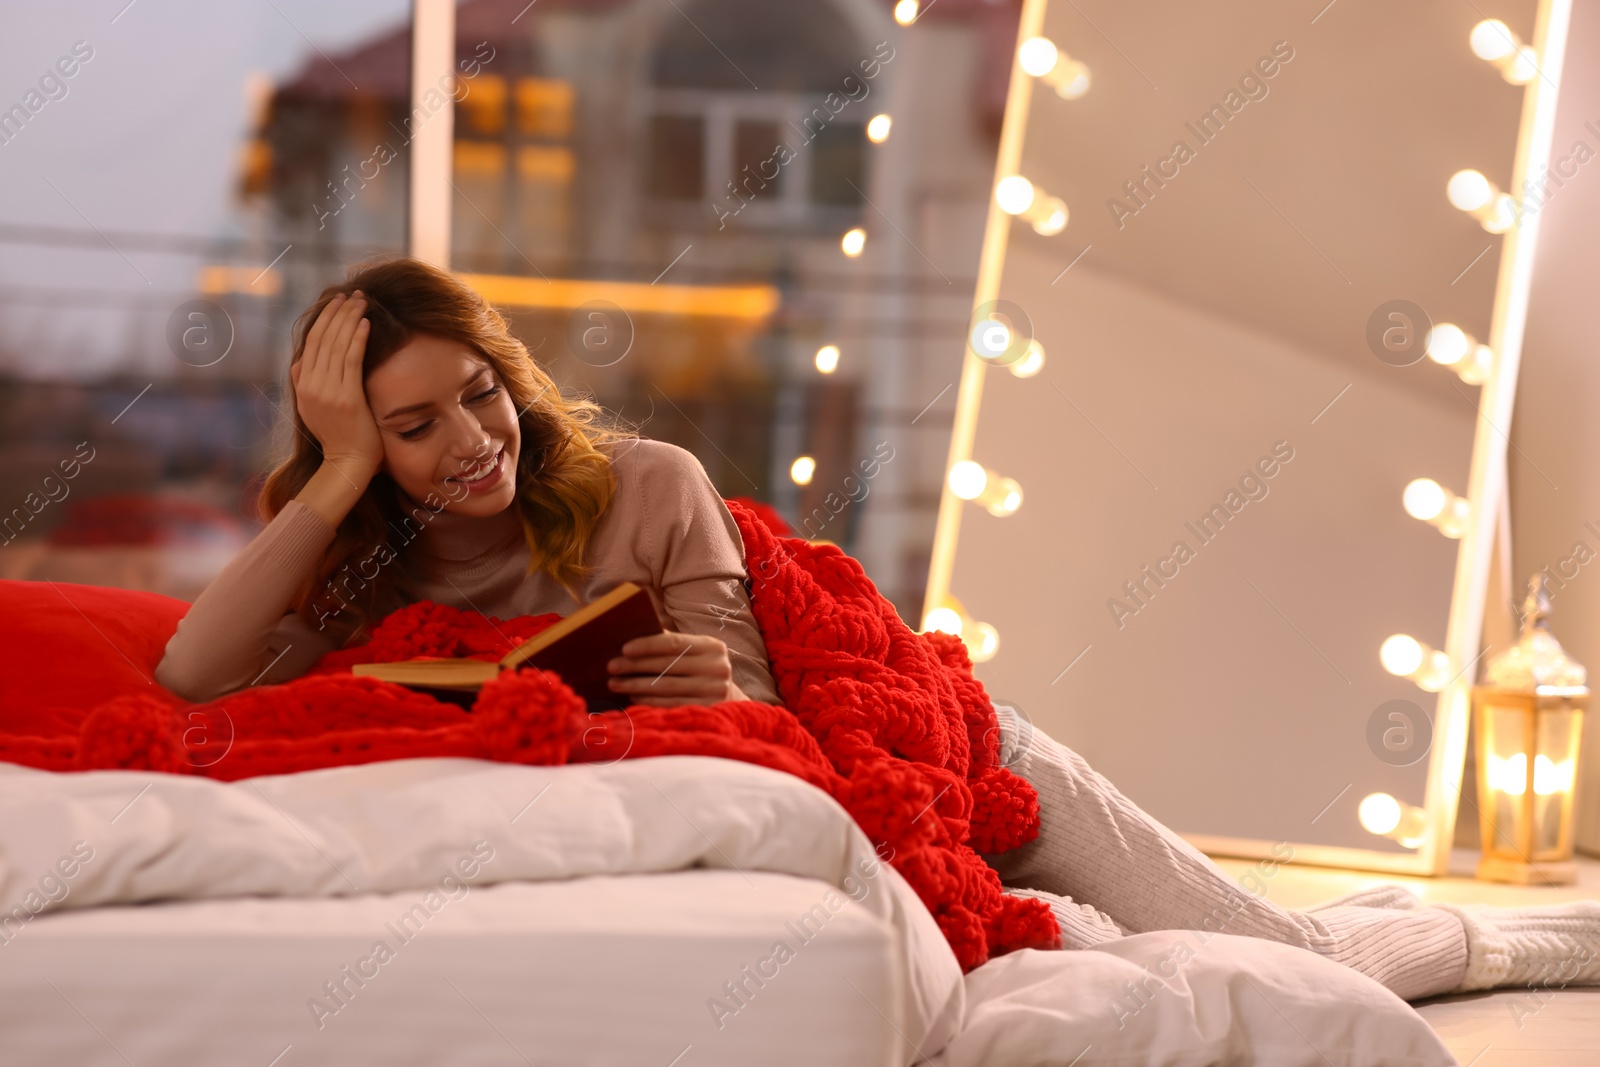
241 631
697 556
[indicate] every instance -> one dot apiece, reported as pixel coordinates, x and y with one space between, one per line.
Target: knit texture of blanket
889 722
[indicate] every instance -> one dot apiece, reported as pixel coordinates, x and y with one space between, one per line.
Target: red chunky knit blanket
889 722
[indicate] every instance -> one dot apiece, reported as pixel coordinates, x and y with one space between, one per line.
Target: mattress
681 968
674 911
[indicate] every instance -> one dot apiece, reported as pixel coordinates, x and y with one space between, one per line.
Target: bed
630 913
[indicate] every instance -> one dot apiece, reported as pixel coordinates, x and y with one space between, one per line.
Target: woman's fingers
691 662
670 642
355 355
673 668
678 652
320 326
671 685
337 347
311 355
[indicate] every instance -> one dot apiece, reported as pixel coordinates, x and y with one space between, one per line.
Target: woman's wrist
334 489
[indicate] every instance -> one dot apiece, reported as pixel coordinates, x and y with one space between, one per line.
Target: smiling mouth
483 472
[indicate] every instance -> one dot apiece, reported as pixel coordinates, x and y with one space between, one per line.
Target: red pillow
65 649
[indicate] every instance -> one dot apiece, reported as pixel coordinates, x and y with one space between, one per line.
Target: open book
577 648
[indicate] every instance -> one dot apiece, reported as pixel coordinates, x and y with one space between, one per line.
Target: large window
181 179
177 181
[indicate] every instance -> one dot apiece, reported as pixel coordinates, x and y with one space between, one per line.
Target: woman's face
445 415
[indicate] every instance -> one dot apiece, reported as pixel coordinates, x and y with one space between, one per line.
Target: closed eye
416 432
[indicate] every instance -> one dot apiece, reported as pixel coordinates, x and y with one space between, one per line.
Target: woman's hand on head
329 390
674 668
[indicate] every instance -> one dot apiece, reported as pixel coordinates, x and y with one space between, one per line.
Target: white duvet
120 837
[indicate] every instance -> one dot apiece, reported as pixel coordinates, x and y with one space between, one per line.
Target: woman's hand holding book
680 668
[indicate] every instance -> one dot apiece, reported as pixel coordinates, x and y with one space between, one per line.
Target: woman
435 460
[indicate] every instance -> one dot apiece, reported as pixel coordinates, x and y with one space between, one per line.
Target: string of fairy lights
1016 196
992 338
1473 362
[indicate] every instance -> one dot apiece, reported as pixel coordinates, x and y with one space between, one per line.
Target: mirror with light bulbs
1227 474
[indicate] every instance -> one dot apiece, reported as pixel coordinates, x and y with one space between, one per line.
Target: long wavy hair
564 480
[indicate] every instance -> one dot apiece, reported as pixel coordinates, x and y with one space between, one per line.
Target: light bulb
1379 813
1031 362
980 638
828 359
985 642
1448 343
1431 502
1451 346
1413 828
1546 779
990 339
1501 215
1014 194
972 481
1479 197
1071 80
1005 498
1051 218
1475 371
1492 39
1406 657
1401 654
878 128
853 242
905 12
1523 67
967 479
1038 56
802 469
1509 776
1424 499
1469 190
1385 816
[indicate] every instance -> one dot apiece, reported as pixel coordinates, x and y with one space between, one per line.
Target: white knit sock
1548 944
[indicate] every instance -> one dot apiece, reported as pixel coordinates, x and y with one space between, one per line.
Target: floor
1506 1028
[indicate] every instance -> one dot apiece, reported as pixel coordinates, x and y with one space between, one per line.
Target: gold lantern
1529 720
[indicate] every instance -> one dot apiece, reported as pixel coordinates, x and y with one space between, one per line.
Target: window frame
721 111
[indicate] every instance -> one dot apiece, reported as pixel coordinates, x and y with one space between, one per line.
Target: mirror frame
1483 549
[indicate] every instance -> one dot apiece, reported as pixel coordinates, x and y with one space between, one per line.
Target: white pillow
1165 999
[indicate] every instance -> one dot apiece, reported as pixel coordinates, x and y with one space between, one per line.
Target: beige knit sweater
666 528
